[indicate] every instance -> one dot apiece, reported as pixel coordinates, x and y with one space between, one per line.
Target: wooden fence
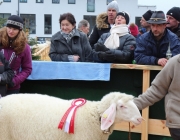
149 126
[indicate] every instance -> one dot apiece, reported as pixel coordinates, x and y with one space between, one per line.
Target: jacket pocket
173 112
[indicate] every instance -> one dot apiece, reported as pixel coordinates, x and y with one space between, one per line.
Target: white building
42 16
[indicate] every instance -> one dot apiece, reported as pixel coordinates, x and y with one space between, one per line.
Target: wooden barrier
149 126
43 51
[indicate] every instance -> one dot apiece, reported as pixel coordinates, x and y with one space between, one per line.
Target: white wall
78 10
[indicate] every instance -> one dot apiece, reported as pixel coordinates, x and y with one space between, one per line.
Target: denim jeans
175 133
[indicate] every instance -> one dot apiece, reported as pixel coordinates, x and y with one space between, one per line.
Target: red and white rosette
69 116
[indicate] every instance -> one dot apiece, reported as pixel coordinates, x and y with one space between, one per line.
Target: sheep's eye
121 106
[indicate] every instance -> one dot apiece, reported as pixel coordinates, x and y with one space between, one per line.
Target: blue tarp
49 70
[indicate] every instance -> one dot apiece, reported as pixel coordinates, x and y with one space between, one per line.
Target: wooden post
145 112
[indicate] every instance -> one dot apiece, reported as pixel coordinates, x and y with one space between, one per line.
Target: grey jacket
165 84
78 45
125 52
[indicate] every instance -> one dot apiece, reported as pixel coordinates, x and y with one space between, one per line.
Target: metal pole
18 8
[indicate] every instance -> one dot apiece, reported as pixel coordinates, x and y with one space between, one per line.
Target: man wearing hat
173 19
155 46
104 21
145 25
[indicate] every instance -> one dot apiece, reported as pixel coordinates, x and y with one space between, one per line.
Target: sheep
36 117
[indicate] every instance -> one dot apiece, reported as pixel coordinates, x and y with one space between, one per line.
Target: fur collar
101 21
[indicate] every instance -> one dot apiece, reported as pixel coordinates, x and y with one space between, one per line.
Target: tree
2 22
32 42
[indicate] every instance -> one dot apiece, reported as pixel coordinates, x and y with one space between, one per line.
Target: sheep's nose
140 119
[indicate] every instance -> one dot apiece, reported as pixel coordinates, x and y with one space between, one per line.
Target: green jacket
166 84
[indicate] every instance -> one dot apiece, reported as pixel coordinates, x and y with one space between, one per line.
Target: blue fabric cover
48 70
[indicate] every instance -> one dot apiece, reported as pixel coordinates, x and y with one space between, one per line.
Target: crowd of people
112 40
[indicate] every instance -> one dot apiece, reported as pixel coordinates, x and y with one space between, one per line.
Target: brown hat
157 17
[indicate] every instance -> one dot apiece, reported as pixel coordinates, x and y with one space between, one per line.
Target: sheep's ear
108 117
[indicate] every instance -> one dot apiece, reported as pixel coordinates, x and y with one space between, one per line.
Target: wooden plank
135 66
145 112
155 127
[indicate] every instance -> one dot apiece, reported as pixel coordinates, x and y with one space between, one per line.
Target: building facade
41 17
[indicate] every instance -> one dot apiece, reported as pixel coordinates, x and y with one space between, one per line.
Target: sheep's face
120 111
128 112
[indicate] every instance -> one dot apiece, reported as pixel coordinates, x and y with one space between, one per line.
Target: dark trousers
12 91
175 133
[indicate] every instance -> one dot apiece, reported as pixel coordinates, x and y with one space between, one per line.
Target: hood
101 21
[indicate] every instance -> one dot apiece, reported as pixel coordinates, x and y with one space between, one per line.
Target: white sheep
36 117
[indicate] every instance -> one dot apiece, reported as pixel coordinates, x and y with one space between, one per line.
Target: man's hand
162 61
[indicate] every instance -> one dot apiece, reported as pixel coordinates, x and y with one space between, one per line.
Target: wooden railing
149 126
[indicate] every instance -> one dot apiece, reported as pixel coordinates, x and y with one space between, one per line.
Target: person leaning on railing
152 47
118 45
70 45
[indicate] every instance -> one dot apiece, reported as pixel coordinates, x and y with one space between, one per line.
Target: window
47 24
23 1
29 22
42 40
71 1
108 1
137 21
6 0
4 16
90 5
55 1
39 1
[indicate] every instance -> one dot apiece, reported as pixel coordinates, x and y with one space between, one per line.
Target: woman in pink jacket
13 43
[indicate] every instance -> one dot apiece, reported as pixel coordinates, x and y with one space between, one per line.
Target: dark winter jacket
125 52
177 31
21 65
78 45
148 51
102 26
6 74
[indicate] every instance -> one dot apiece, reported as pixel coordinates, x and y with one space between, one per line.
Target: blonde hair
18 44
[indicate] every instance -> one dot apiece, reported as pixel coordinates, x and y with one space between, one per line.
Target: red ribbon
76 103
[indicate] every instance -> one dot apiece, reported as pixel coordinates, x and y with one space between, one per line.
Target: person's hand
75 58
162 61
100 47
11 84
107 56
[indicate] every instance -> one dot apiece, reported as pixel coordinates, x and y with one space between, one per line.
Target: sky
163 5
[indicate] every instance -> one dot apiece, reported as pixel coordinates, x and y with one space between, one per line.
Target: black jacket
176 31
6 74
102 26
125 52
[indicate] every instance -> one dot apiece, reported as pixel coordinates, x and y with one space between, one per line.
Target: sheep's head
121 108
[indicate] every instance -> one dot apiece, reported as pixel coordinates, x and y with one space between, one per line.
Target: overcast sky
163 5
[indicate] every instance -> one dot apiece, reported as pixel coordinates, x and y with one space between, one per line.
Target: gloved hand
107 56
10 85
100 47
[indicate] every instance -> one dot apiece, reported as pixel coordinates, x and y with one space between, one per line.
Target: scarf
113 41
69 35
